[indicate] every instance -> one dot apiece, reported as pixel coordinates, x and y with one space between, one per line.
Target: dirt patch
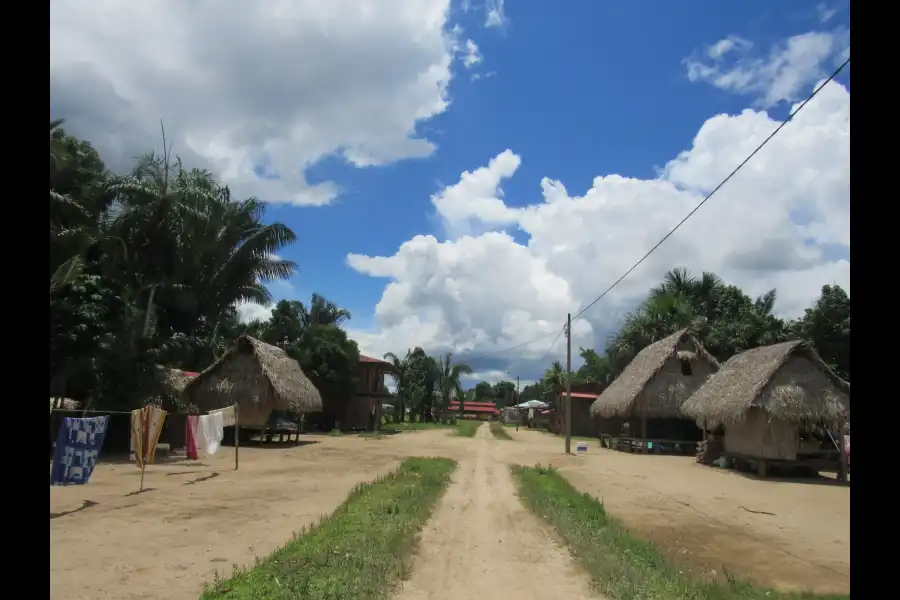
481 542
108 542
785 535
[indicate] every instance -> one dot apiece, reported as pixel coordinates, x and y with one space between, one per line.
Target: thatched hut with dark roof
647 397
764 397
259 378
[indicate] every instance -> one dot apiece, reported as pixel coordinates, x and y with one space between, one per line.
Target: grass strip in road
621 566
360 551
467 427
499 431
411 426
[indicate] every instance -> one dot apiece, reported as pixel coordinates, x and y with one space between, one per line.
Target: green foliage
725 320
363 550
483 392
504 393
329 359
145 270
827 325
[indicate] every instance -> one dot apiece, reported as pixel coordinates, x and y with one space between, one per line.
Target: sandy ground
198 519
481 530
789 535
201 518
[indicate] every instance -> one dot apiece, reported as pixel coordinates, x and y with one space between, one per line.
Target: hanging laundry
146 427
190 428
211 431
77 446
229 417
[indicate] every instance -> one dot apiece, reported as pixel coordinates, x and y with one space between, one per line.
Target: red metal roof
583 395
368 359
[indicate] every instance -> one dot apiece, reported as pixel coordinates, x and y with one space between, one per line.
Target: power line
718 187
680 223
556 339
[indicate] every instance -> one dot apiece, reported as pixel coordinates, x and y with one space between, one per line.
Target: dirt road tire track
482 543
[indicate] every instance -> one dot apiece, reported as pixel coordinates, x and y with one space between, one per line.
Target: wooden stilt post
842 452
644 435
237 437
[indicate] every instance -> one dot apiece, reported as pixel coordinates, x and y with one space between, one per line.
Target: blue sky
597 88
594 89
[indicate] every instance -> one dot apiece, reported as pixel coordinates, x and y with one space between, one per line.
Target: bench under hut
770 401
260 379
641 409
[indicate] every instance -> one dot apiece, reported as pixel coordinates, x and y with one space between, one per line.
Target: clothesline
79 440
113 412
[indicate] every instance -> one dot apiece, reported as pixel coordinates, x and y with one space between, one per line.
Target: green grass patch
408 426
361 551
499 431
467 427
621 566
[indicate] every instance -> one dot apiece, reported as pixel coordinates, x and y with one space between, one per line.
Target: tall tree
827 325
450 379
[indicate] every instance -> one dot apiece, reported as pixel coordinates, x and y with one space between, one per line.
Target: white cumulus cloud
782 222
784 73
246 86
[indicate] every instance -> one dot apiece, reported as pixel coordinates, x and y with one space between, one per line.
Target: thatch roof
619 398
255 375
65 403
788 380
176 380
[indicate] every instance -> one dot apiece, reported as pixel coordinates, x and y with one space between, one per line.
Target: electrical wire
789 118
718 187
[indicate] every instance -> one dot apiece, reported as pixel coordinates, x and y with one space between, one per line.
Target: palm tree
765 304
450 380
322 311
401 375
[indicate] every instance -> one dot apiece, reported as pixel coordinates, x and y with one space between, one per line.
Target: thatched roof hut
788 381
259 378
659 379
176 380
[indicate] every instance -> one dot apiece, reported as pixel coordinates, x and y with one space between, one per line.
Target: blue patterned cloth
77 446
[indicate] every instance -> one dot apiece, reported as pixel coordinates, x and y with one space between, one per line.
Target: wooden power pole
568 383
517 403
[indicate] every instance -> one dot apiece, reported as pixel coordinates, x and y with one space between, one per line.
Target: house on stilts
641 410
777 405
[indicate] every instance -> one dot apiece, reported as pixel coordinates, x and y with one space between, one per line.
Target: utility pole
517 403
569 383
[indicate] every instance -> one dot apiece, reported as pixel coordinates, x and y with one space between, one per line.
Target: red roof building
475 407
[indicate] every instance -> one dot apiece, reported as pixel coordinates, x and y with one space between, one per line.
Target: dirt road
481 542
202 518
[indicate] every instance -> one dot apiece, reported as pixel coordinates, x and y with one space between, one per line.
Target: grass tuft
499 431
413 426
621 566
362 550
467 427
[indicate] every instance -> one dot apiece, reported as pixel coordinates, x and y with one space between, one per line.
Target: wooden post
568 404
518 401
237 437
842 475
644 447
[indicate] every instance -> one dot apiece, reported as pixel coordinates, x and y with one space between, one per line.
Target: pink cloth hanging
191 437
